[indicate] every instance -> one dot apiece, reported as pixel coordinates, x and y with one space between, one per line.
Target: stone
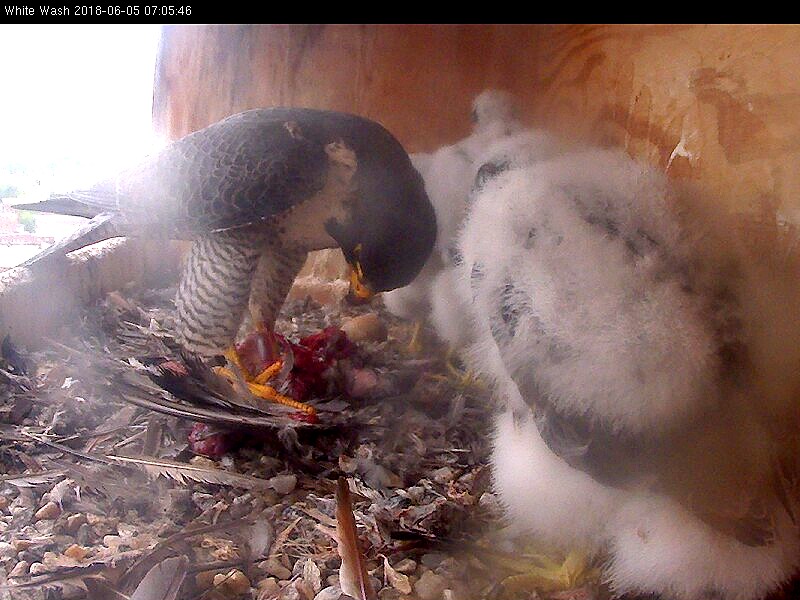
430 586
20 569
406 566
432 559
49 511
443 475
332 592
84 535
233 583
365 328
74 522
268 587
283 484
76 552
276 569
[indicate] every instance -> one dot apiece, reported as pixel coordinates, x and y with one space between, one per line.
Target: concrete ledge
37 302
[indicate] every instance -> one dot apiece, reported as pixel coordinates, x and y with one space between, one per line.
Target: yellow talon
549 575
415 344
233 358
226 373
267 392
268 373
463 378
257 385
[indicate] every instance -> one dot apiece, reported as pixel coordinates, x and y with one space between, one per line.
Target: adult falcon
256 192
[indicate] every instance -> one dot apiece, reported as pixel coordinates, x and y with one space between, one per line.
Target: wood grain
717 104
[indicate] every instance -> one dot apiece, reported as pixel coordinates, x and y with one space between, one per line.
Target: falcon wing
239 171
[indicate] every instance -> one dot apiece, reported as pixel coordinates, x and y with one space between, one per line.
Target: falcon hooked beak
358 285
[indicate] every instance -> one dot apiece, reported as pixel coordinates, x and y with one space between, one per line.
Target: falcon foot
415 344
544 574
460 378
258 384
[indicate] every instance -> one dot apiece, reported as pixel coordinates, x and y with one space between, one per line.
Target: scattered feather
183 472
397 580
163 581
32 479
353 576
100 590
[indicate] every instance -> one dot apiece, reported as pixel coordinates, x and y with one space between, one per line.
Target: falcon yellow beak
357 285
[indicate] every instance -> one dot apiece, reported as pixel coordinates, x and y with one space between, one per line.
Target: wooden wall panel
717 104
417 80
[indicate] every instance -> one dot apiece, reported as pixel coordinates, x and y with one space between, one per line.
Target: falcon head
389 236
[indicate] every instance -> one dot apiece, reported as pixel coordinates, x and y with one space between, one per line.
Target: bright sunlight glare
76 102
75 108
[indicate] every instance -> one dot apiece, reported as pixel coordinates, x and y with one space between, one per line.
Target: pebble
430 586
268 587
204 579
20 569
7 550
332 592
84 535
450 567
389 593
44 528
365 328
459 591
432 559
113 542
4 502
37 568
233 583
490 503
312 575
306 591
443 475
51 510
397 580
290 592
203 501
361 383
406 566
416 493
126 530
75 521
20 545
29 557
276 569
283 484
76 552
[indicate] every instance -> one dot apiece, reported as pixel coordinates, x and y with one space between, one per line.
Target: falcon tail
97 229
64 204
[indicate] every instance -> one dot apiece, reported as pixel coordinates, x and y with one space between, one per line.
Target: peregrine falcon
256 192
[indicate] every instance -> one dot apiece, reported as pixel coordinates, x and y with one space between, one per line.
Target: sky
76 98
